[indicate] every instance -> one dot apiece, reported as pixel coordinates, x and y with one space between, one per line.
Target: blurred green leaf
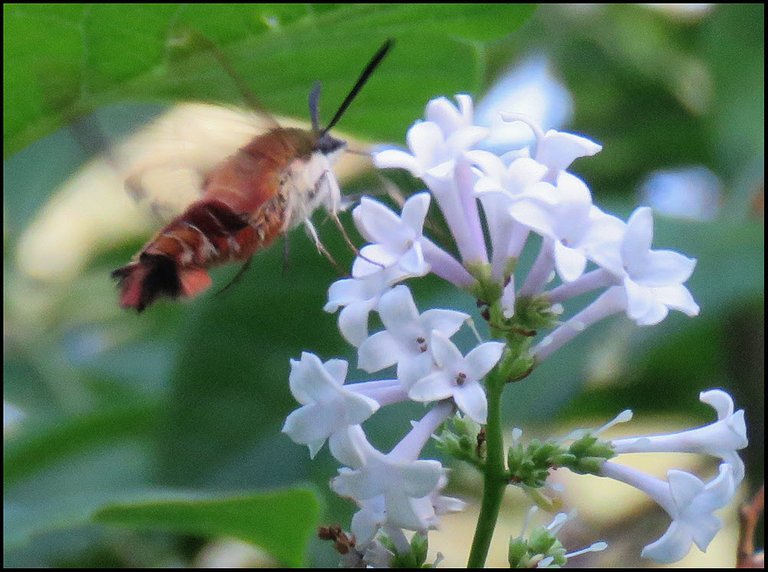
281 523
64 61
36 449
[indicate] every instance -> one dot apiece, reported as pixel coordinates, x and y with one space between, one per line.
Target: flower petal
398 311
425 140
673 545
557 150
433 387
446 321
446 354
415 211
377 352
570 262
471 400
379 221
664 267
396 159
482 359
677 297
353 321
639 234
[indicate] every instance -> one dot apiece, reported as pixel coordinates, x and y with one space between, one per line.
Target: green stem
494 479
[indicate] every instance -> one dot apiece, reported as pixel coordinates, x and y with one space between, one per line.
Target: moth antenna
314 107
361 81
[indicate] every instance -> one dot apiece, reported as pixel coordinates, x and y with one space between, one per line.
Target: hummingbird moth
268 187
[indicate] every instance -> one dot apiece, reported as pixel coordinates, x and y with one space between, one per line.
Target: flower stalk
494 475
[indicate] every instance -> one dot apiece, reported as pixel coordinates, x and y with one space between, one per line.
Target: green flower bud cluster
587 454
462 438
530 465
527 465
541 544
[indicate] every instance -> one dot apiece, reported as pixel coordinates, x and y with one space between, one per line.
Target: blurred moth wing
165 164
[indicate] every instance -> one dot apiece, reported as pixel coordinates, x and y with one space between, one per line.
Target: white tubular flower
609 302
358 297
497 190
653 279
719 439
327 406
458 377
449 117
455 196
435 144
396 239
687 500
438 146
407 336
556 149
394 489
651 285
579 230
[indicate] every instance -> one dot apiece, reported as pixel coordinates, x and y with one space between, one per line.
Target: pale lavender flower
437 157
435 144
653 279
358 297
396 239
721 438
458 377
327 405
577 229
396 488
406 339
556 149
688 500
651 283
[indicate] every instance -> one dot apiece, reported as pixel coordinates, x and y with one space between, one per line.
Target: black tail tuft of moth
145 281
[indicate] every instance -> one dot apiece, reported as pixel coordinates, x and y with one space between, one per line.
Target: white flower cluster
521 193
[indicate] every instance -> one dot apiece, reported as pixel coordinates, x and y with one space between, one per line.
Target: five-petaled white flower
457 376
327 405
406 339
653 279
396 239
435 144
687 500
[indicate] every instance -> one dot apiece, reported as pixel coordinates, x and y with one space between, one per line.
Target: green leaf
281 523
64 61
39 448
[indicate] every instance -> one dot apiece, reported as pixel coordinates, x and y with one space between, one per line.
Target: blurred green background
140 440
